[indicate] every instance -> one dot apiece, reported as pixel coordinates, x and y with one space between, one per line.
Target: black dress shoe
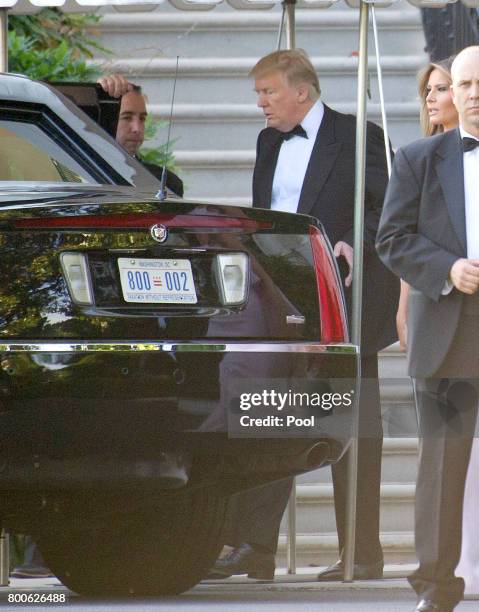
335 572
244 560
426 605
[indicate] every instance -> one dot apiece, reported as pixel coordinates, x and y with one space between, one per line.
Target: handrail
4 558
291 537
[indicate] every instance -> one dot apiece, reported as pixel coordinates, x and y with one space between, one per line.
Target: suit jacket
421 234
328 194
173 182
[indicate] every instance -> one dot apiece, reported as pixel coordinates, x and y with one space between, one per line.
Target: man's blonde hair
294 64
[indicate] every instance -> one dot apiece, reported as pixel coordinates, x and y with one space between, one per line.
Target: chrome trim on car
295 320
187 347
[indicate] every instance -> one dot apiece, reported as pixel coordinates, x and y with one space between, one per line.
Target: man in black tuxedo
305 163
429 236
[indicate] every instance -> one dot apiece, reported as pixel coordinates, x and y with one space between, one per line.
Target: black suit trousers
448 404
255 516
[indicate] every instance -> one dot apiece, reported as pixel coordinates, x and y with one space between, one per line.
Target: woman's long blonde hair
428 129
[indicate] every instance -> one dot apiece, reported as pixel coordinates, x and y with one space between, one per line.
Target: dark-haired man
130 132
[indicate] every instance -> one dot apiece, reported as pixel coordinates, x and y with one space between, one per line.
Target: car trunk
128 373
279 300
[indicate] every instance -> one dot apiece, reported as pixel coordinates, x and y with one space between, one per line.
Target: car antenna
161 195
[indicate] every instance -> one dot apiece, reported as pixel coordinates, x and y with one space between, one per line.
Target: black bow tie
469 144
296 131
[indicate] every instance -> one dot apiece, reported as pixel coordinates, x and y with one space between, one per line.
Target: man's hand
401 315
401 327
115 85
342 249
464 275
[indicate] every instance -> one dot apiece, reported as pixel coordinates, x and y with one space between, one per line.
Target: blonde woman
438 114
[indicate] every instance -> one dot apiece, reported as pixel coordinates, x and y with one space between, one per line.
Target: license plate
157 281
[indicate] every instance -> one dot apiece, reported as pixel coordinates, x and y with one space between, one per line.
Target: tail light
75 270
332 311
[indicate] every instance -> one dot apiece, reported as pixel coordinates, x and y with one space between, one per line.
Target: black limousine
156 356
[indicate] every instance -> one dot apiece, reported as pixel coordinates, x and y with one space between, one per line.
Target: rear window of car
27 153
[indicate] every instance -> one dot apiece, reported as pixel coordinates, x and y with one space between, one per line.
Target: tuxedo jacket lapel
450 171
266 159
321 162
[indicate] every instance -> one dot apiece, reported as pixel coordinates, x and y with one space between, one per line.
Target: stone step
397 398
236 126
198 78
309 572
215 105
400 460
392 362
315 521
214 99
315 508
211 172
322 548
227 173
399 464
193 34
215 174
227 201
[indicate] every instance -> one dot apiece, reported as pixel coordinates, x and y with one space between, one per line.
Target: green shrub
53 45
57 64
158 155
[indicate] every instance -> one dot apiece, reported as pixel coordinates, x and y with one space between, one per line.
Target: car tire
161 550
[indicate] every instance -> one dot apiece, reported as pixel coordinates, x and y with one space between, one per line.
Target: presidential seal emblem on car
159 232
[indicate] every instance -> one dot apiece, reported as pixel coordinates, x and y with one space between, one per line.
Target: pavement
240 587
394 578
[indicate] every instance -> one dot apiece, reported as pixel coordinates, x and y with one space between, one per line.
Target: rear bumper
66 402
42 346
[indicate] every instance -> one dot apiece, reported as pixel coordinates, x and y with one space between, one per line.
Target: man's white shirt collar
471 197
293 160
465 134
312 121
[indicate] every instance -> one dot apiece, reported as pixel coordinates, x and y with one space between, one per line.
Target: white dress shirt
471 193
471 201
293 162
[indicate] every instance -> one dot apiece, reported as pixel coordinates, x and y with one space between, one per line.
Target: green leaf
158 155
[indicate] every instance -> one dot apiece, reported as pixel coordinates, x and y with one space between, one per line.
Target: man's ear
451 89
303 93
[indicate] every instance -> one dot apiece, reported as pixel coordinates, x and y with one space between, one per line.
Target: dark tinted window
28 154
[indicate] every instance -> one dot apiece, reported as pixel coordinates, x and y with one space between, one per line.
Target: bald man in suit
429 236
